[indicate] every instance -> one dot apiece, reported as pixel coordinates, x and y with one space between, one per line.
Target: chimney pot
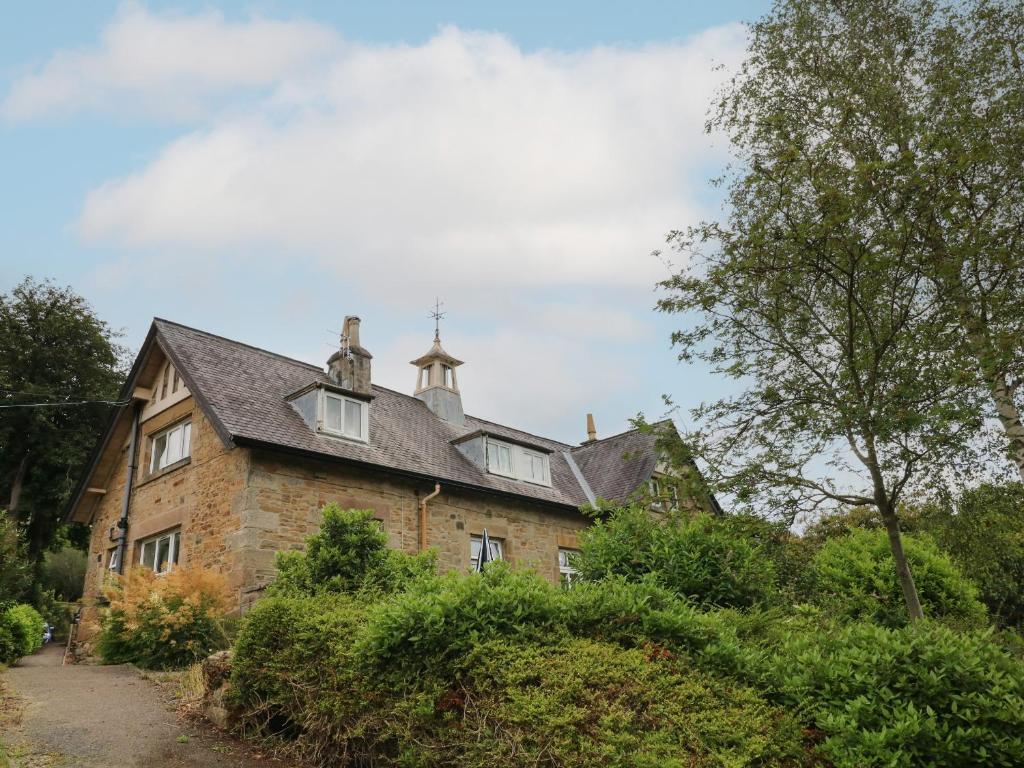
591 429
350 328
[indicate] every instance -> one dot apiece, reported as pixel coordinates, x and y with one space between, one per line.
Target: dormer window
344 416
518 461
331 410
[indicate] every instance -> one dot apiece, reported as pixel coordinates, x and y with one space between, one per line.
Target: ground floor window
476 542
113 558
160 553
567 574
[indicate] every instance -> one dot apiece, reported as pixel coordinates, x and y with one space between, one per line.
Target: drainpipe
423 516
122 524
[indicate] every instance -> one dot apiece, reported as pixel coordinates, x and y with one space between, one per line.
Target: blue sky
261 169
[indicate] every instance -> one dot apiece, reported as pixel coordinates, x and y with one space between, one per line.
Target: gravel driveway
94 716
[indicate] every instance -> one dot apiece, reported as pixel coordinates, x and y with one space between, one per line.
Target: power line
62 404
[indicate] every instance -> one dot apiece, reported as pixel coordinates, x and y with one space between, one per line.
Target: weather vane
437 314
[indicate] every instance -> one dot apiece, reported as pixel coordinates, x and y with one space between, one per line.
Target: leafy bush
349 554
21 632
64 573
854 577
166 621
697 557
920 695
583 703
437 621
984 534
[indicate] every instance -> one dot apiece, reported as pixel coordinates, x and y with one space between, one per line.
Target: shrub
64 573
698 557
21 632
436 621
583 703
290 655
920 695
854 577
349 554
984 534
165 621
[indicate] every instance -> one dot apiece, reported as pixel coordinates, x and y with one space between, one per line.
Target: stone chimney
591 429
349 367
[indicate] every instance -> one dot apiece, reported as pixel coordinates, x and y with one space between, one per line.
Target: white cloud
463 162
525 188
169 65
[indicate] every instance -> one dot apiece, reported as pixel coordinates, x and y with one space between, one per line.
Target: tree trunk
892 527
1009 417
16 485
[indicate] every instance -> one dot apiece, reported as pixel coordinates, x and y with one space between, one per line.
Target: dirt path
107 717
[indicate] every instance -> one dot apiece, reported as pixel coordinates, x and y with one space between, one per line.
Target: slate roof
243 390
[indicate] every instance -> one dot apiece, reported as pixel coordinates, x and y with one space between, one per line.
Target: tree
814 293
15 569
983 531
53 348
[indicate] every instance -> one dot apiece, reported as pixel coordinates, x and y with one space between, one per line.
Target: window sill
165 471
340 436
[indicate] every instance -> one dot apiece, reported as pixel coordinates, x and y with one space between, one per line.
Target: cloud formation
512 183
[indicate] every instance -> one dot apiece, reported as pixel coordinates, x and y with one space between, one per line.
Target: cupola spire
436 383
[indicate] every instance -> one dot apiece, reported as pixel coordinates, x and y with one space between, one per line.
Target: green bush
436 621
920 695
161 622
349 554
854 577
984 534
21 632
700 557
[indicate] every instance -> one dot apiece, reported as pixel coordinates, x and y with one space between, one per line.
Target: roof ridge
522 431
240 343
590 443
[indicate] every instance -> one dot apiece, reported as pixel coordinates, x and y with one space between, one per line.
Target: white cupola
436 383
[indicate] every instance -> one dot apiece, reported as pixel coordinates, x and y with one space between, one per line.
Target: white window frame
521 458
113 559
185 447
497 549
364 416
566 573
173 550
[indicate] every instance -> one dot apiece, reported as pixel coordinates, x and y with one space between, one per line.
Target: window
567 574
112 559
499 458
426 376
170 446
160 553
344 416
446 376
475 542
664 492
518 462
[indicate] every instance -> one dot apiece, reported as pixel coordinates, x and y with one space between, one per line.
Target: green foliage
64 573
436 621
921 695
696 557
15 568
854 577
349 554
21 632
164 622
52 347
984 534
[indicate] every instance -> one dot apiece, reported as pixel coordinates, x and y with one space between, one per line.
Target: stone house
224 454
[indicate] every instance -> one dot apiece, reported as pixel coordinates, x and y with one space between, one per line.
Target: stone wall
202 495
285 495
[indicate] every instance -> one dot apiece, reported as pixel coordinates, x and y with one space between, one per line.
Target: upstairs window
518 462
344 416
170 446
160 553
476 544
664 493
